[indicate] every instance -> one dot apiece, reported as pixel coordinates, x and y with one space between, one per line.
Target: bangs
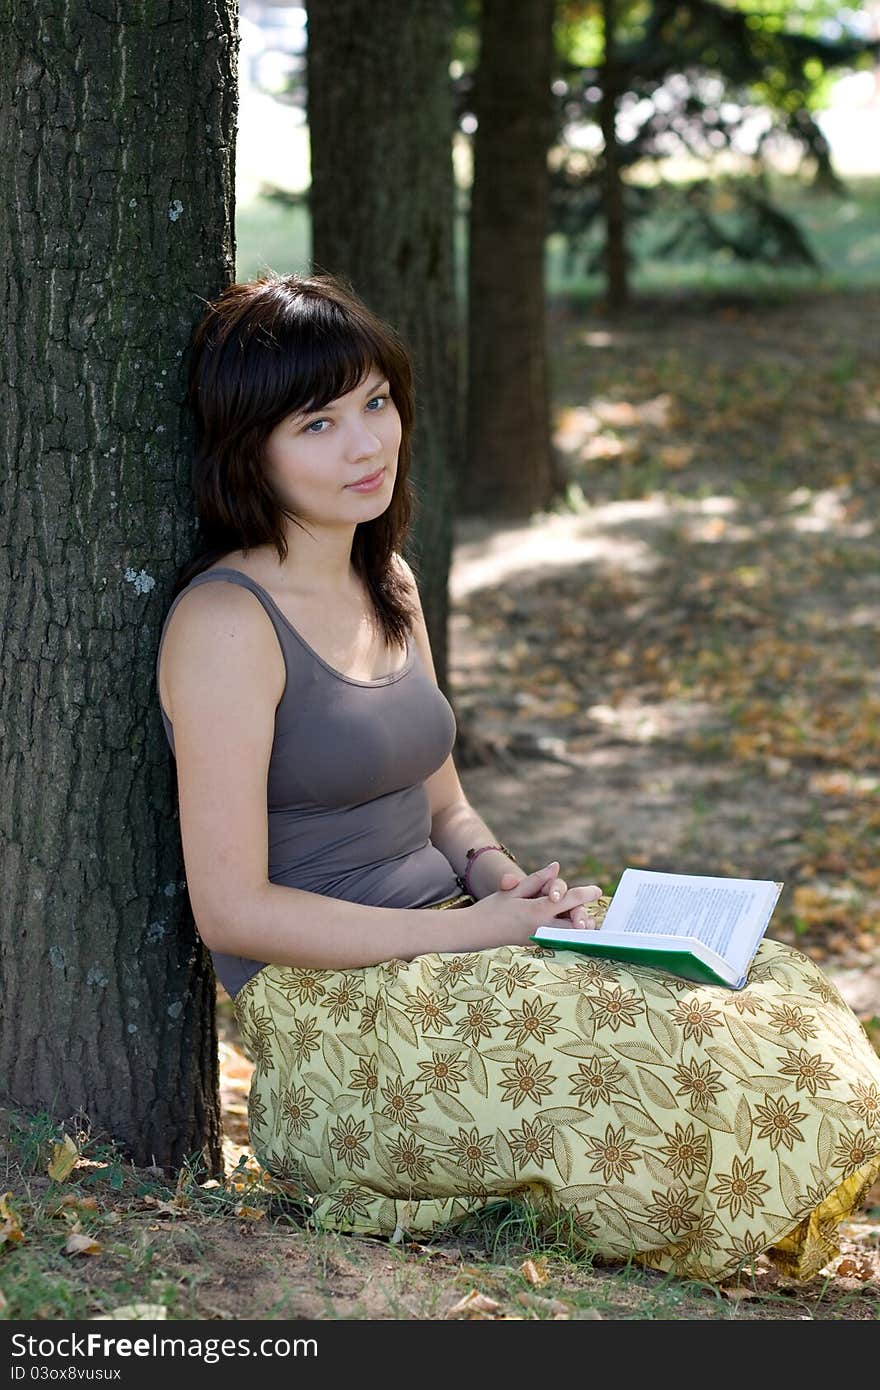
319 355
282 347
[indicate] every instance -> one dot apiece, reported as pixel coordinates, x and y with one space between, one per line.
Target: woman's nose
363 440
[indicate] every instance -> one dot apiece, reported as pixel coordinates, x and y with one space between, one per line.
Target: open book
704 929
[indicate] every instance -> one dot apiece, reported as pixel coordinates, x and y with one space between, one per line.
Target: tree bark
617 285
380 125
116 217
509 467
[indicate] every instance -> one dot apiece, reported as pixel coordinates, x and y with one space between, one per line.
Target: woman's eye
310 429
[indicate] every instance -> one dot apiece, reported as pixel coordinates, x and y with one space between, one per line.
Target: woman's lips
369 484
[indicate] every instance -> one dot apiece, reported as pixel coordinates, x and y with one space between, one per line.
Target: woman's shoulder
210 602
213 629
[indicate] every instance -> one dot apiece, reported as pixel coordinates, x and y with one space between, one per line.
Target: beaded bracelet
473 855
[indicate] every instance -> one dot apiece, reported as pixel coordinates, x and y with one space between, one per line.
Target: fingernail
555 894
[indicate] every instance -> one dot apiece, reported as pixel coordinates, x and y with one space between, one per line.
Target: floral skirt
688 1127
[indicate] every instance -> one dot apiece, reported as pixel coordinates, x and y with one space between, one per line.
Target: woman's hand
546 881
510 916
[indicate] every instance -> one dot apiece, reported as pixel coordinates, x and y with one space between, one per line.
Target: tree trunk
380 125
509 469
116 162
617 287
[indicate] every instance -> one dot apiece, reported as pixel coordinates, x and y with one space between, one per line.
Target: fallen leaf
172 1208
64 1157
535 1272
854 1268
448 1255
738 1293
474 1304
249 1213
10 1226
73 1201
553 1306
137 1312
82 1245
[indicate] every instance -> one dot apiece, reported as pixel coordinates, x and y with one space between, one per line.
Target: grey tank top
348 810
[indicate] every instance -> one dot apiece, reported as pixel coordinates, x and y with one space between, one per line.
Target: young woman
412 1065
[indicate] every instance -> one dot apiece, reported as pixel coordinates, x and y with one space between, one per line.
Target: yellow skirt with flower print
688 1127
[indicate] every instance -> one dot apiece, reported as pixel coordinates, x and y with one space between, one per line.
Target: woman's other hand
509 917
547 883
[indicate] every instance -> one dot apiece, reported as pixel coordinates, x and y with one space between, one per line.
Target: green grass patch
842 228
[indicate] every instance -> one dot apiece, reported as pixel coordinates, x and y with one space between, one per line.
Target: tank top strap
232 576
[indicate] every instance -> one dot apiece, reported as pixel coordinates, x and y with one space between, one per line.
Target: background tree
609 172
508 467
380 127
685 76
116 165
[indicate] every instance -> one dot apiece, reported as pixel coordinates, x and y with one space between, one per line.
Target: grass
240 1249
272 234
841 228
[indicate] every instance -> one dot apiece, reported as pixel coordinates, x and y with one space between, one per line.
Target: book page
710 911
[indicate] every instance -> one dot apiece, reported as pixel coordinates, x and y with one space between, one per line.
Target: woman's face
315 461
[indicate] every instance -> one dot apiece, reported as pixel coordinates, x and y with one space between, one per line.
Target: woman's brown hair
267 349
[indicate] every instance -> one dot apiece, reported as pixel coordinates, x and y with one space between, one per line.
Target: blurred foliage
844 229
688 75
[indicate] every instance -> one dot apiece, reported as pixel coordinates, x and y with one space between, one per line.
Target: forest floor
678 670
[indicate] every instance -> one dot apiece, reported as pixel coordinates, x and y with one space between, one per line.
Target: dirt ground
616 782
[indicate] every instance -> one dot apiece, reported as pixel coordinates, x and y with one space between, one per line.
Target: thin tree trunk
380 124
116 165
509 469
617 287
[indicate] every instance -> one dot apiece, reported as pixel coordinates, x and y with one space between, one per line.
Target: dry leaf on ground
138 1312
554 1307
79 1244
855 1267
535 1271
10 1226
64 1158
474 1304
249 1213
73 1202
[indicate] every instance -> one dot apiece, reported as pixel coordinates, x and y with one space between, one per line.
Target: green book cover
698 927
682 963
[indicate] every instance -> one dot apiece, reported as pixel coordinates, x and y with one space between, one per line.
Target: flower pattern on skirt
690 1127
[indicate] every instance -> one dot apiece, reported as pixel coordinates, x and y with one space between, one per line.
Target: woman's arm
224 674
455 825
